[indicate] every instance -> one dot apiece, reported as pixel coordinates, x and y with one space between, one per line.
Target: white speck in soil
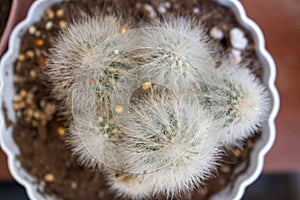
196 10
151 10
238 39
167 4
162 9
235 56
216 33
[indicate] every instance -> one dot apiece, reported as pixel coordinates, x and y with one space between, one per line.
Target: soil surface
41 131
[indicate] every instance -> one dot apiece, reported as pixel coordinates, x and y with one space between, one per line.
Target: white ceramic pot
234 191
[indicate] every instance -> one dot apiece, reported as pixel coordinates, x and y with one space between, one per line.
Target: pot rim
6 76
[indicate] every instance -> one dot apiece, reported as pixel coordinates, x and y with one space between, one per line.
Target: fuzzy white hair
135 110
175 49
172 147
85 62
85 51
237 100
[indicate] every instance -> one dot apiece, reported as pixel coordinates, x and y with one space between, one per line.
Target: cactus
94 49
172 145
148 105
236 100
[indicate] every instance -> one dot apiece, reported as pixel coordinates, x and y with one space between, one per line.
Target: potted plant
123 110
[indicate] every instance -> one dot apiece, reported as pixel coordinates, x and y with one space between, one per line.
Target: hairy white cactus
93 48
236 100
175 50
172 145
148 104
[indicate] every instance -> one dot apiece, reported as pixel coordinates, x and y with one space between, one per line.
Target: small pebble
216 33
23 93
162 9
16 106
225 168
19 114
42 103
238 39
119 109
38 33
49 109
59 13
36 114
151 10
196 10
21 57
16 78
39 42
237 152
48 25
249 143
73 185
49 177
29 99
30 54
235 56
40 60
17 98
19 105
62 24
32 29
49 13
61 131
29 112
167 5
202 191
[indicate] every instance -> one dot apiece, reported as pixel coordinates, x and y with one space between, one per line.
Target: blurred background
280 180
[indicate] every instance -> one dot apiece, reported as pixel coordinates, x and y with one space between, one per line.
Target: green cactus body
109 76
221 100
171 61
108 128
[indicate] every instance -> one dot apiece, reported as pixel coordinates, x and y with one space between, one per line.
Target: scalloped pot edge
7 92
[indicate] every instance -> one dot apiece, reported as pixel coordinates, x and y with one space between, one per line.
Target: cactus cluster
149 105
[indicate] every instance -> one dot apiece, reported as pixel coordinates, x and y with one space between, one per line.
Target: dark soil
40 131
4 12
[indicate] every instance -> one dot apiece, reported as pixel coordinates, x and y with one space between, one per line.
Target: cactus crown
148 104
